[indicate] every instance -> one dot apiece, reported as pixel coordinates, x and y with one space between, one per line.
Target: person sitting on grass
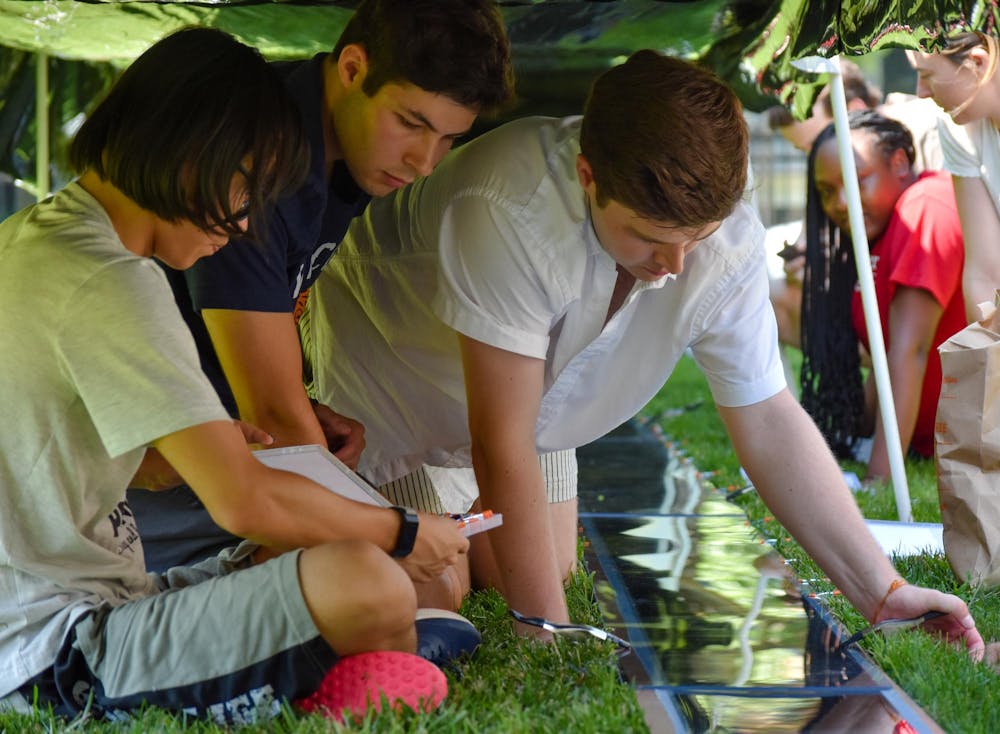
194 141
916 251
537 290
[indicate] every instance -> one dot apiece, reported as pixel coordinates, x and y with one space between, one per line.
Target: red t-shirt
921 248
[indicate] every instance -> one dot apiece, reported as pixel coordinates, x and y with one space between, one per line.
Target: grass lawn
960 695
514 685
511 685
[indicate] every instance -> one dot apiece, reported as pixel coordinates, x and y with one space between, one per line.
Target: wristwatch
407 532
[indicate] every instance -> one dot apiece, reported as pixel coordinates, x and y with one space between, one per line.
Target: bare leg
562 515
448 590
359 598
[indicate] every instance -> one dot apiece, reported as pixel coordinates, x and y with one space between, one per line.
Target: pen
468 519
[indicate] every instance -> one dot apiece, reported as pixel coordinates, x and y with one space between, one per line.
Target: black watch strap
407 532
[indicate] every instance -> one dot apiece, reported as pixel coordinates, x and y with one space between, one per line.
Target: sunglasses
623 646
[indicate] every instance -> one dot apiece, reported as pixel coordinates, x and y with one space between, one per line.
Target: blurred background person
961 79
916 251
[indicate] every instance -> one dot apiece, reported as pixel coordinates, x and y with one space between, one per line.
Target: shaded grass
958 693
510 685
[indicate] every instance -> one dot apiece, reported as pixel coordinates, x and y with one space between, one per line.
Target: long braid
832 392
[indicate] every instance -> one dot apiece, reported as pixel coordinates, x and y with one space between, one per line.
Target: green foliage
954 690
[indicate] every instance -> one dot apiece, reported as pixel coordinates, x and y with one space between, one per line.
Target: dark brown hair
957 47
666 139
457 48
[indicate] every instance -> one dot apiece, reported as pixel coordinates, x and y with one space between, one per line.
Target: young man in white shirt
537 290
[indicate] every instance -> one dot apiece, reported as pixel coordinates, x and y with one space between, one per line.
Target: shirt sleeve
736 342
960 155
494 284
146 382
932 255
245 275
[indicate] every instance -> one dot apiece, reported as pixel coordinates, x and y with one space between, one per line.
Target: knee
379 581
448 590
355 580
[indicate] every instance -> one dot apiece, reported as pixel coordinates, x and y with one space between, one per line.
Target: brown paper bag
967 444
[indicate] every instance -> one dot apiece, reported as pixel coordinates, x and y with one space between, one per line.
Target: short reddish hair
667 139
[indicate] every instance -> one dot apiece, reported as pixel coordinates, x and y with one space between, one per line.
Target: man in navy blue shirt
405 80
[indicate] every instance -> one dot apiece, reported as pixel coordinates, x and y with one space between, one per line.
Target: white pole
859 238
42 182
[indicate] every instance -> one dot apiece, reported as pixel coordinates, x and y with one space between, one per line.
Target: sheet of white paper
318 464
907 538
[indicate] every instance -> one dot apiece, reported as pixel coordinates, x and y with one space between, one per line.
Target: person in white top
563 267
962 79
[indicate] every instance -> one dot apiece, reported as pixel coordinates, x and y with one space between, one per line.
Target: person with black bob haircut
196 139
196 156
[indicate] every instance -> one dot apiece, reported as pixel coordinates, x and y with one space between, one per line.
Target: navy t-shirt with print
304 230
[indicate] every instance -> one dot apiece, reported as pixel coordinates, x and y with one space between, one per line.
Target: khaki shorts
440 490
222 640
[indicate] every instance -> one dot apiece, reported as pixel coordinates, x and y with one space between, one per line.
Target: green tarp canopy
558 46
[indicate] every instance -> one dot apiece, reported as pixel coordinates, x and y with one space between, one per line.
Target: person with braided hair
917 254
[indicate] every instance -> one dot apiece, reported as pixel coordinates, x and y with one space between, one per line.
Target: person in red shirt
917 255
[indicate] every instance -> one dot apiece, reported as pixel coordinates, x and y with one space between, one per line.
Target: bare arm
913 319
797 477
283 510
155 473
981 232
504 393
262 360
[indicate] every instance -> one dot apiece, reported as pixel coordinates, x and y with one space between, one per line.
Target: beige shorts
439 490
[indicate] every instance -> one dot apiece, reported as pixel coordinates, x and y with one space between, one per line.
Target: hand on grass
344 436
957 625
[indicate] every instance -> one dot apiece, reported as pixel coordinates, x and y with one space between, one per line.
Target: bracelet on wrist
894 586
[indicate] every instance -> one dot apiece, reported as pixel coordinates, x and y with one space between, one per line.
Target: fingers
992 655
348 449
975 646
253 434
958 626
439 546
344 436
974 643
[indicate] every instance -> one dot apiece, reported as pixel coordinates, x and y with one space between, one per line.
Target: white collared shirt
497 245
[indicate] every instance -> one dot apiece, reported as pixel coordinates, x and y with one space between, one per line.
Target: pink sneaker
357 681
